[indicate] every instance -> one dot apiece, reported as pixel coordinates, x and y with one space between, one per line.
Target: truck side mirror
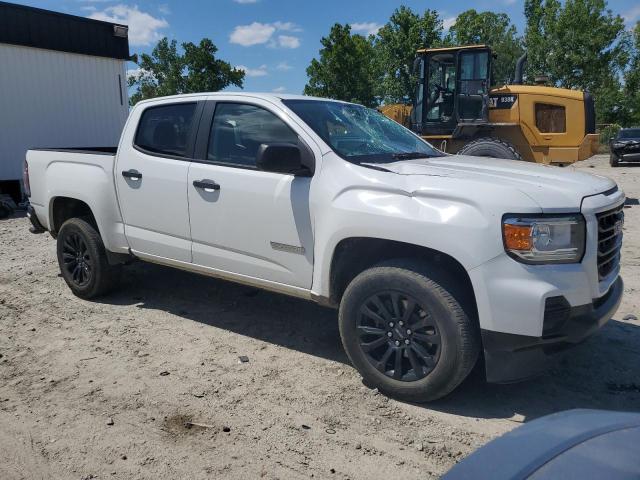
280 158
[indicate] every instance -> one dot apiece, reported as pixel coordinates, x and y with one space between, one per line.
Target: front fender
458 228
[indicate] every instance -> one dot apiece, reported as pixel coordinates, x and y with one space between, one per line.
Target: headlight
544 239
618 145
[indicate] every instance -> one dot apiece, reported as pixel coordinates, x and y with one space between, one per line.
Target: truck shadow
602 373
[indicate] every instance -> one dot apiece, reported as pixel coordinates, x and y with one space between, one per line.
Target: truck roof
263 95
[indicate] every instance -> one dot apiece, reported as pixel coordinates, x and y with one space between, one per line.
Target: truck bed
81 173
89 150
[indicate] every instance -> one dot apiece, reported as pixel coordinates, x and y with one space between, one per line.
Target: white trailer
62 83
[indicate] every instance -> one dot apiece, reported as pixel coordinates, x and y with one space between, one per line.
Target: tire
365 336
614 161
490 147
83 260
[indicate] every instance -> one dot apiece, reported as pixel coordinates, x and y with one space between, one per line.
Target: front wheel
405 333
83 260
614 161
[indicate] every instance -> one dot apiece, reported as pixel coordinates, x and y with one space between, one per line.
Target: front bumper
510 358
629 156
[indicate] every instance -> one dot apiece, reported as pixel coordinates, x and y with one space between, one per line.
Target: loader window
473 85
550 118
441 87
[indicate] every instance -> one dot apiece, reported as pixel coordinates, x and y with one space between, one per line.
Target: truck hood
554 189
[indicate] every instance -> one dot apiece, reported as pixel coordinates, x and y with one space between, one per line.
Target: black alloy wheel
83 260
77 259
398 336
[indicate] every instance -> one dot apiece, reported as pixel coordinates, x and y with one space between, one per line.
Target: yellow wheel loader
458 112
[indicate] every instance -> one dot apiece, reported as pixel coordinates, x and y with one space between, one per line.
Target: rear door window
166 129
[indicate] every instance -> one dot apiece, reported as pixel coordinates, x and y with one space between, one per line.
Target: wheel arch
354 255
62 208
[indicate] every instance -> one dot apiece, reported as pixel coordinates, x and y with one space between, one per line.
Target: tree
632 81
495 30
168 72
396 45
345 69
579 44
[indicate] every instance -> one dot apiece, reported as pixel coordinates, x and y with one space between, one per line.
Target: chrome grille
609 240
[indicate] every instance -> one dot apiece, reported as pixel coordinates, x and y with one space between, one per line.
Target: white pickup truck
431 258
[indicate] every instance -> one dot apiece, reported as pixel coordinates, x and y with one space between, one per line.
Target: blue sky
272 40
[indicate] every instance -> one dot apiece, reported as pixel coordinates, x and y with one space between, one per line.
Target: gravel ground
147 382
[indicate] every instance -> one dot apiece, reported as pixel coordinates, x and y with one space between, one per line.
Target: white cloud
258 33
368 28
287 41
254 34
287 26
164 9
632 15
245 1
261 71
143 27
283 66
449 22
279 90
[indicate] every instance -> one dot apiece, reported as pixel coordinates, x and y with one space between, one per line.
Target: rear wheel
83 260
405 333
490 147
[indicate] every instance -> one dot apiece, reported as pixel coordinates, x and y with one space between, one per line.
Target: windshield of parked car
629 133
360 134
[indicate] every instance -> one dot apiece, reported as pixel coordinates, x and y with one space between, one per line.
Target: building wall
56 99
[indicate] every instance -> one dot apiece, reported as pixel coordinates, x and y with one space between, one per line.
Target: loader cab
453 88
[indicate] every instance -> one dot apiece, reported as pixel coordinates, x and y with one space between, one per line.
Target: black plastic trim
110 151
510 357
36 226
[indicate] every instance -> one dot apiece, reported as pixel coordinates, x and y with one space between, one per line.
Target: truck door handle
206 185
132 174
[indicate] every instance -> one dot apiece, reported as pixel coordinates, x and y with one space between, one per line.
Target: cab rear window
165 129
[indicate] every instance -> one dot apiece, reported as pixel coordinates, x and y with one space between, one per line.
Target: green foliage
345 69
168 72
495 30
396 44
632 81
579 44
607 132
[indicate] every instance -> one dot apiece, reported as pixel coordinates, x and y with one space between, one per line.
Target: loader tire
490 147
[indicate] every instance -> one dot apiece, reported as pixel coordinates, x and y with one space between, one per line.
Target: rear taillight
25 179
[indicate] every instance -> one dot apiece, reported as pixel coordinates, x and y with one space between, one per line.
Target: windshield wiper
410 155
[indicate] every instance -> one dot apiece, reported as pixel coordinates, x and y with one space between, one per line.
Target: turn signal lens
517 237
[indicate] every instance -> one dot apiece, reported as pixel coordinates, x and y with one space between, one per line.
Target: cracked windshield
360 134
